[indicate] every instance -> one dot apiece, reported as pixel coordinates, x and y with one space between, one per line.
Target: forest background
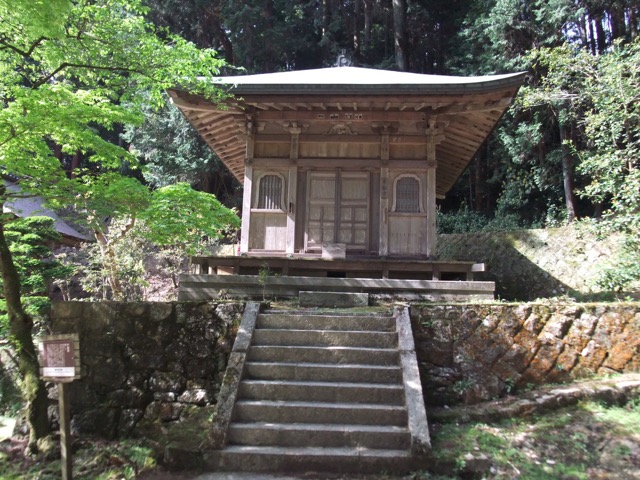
82 85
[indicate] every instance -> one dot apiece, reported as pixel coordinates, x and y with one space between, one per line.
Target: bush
468 221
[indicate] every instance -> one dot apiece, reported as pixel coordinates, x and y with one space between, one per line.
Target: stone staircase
320 393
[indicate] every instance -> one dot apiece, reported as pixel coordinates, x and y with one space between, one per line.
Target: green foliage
469 221
121 460
169 149
179 215
558 444
76 70
613 129
30 240
623 269
497 34
69 77
71 74
601 94
170 223
129 256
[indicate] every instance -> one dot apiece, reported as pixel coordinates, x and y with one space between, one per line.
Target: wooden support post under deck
247 193
435 135
384 210
430 207
246 209
294 151
291 209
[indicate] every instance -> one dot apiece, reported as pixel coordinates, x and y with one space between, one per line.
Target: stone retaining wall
152 361
537 263
471 353
145 360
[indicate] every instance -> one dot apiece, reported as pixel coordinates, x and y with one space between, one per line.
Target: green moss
560 444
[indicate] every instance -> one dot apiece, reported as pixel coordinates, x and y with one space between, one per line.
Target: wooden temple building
342 167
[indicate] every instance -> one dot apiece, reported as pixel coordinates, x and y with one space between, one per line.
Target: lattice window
270 192
407 195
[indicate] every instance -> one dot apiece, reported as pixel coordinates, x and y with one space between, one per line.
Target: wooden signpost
60 363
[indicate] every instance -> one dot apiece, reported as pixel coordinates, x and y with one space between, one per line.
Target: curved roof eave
353 80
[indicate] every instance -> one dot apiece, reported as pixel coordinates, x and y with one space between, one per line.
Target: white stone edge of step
416 412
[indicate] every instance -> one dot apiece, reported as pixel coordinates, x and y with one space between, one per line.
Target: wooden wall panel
406 151
272 150
407 234
268 231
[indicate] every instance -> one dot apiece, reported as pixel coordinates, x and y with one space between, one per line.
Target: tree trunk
400 34
368 14
592 36
109 259
600 33
221 35
567 175
617 22
20 328
75 163
357 37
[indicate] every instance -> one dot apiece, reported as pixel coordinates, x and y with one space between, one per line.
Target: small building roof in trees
23 205
469 107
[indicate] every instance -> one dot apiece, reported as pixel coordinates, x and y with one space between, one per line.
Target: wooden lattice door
338 210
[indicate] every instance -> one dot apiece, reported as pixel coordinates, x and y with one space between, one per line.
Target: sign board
59 357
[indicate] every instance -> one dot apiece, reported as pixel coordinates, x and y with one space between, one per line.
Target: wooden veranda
286 277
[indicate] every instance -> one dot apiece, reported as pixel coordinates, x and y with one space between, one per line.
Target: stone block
334 299
167 382
163 411
334 251
197 396
99 421
129 398
129 418
229 312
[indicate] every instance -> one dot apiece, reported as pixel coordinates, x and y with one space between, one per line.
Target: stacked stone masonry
153 361
145 360
537 263
472 353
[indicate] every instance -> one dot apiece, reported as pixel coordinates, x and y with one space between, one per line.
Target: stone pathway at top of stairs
320 392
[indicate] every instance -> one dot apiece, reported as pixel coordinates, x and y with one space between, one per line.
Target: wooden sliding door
338 209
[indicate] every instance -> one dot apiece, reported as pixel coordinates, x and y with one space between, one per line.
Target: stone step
309 459
326 322
324 338
333 354
318 412
333 299
319 435
323 372
390 394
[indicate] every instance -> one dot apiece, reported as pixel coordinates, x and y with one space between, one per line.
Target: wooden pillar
384 130
384 212
435 135
291 209
247 193
65 431
246 208
292 185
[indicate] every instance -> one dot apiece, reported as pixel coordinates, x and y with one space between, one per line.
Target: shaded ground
590 435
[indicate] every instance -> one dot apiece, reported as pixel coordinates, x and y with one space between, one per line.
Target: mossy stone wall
151 362
470 353
531 264
144 360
